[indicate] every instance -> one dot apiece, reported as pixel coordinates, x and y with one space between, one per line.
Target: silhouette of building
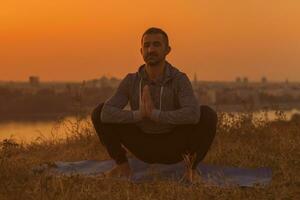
238 79
264 80
34 80
195 82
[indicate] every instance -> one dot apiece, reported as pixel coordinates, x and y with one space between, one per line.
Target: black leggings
165 148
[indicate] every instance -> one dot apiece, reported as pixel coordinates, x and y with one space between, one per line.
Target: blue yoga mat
142 172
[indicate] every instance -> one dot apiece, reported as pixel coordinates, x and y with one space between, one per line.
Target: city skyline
238 79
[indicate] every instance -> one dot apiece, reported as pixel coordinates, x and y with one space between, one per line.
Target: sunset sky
71 40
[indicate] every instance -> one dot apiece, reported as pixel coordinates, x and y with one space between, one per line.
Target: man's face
154 49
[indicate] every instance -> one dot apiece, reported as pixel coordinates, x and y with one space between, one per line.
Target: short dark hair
154 30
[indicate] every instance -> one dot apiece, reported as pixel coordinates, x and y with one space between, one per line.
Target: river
28 131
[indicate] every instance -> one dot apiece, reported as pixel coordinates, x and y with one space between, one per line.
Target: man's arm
112 111
189 113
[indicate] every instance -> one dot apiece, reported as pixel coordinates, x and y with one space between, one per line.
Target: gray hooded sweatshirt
172 96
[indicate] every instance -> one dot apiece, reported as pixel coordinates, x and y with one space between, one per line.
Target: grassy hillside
239 142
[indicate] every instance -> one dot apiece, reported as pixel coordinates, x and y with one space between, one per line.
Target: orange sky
85 39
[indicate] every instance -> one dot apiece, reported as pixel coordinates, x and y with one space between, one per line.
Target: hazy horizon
120 78
64 40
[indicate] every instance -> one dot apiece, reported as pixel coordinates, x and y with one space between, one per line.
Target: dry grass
239 142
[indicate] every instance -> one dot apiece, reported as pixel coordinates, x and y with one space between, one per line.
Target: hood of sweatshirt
169 73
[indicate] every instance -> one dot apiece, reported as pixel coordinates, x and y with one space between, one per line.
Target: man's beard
153 62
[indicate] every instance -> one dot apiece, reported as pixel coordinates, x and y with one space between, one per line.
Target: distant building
238 79
104 81
212 96
195 82
114 82
206 96
264 80
286 81
34 80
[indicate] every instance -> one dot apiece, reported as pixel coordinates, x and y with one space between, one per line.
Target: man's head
155 46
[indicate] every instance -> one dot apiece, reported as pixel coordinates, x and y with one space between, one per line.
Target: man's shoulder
180 76
176 73
129 78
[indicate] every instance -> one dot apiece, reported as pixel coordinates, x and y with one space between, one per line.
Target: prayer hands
147 104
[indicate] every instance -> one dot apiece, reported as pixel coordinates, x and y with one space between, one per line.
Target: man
165 121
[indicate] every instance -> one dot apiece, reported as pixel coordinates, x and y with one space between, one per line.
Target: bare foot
191 176
122 170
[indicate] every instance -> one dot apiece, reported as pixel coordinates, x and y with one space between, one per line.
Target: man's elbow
105 115
194 116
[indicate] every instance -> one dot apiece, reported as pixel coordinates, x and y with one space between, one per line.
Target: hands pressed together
147 104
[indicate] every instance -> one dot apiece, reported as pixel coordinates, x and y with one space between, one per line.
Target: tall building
34 80
264 80
195 82
238 79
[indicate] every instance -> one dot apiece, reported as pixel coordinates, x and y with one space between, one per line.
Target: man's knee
208 115
96 114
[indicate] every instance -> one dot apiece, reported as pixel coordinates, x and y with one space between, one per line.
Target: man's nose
151 48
